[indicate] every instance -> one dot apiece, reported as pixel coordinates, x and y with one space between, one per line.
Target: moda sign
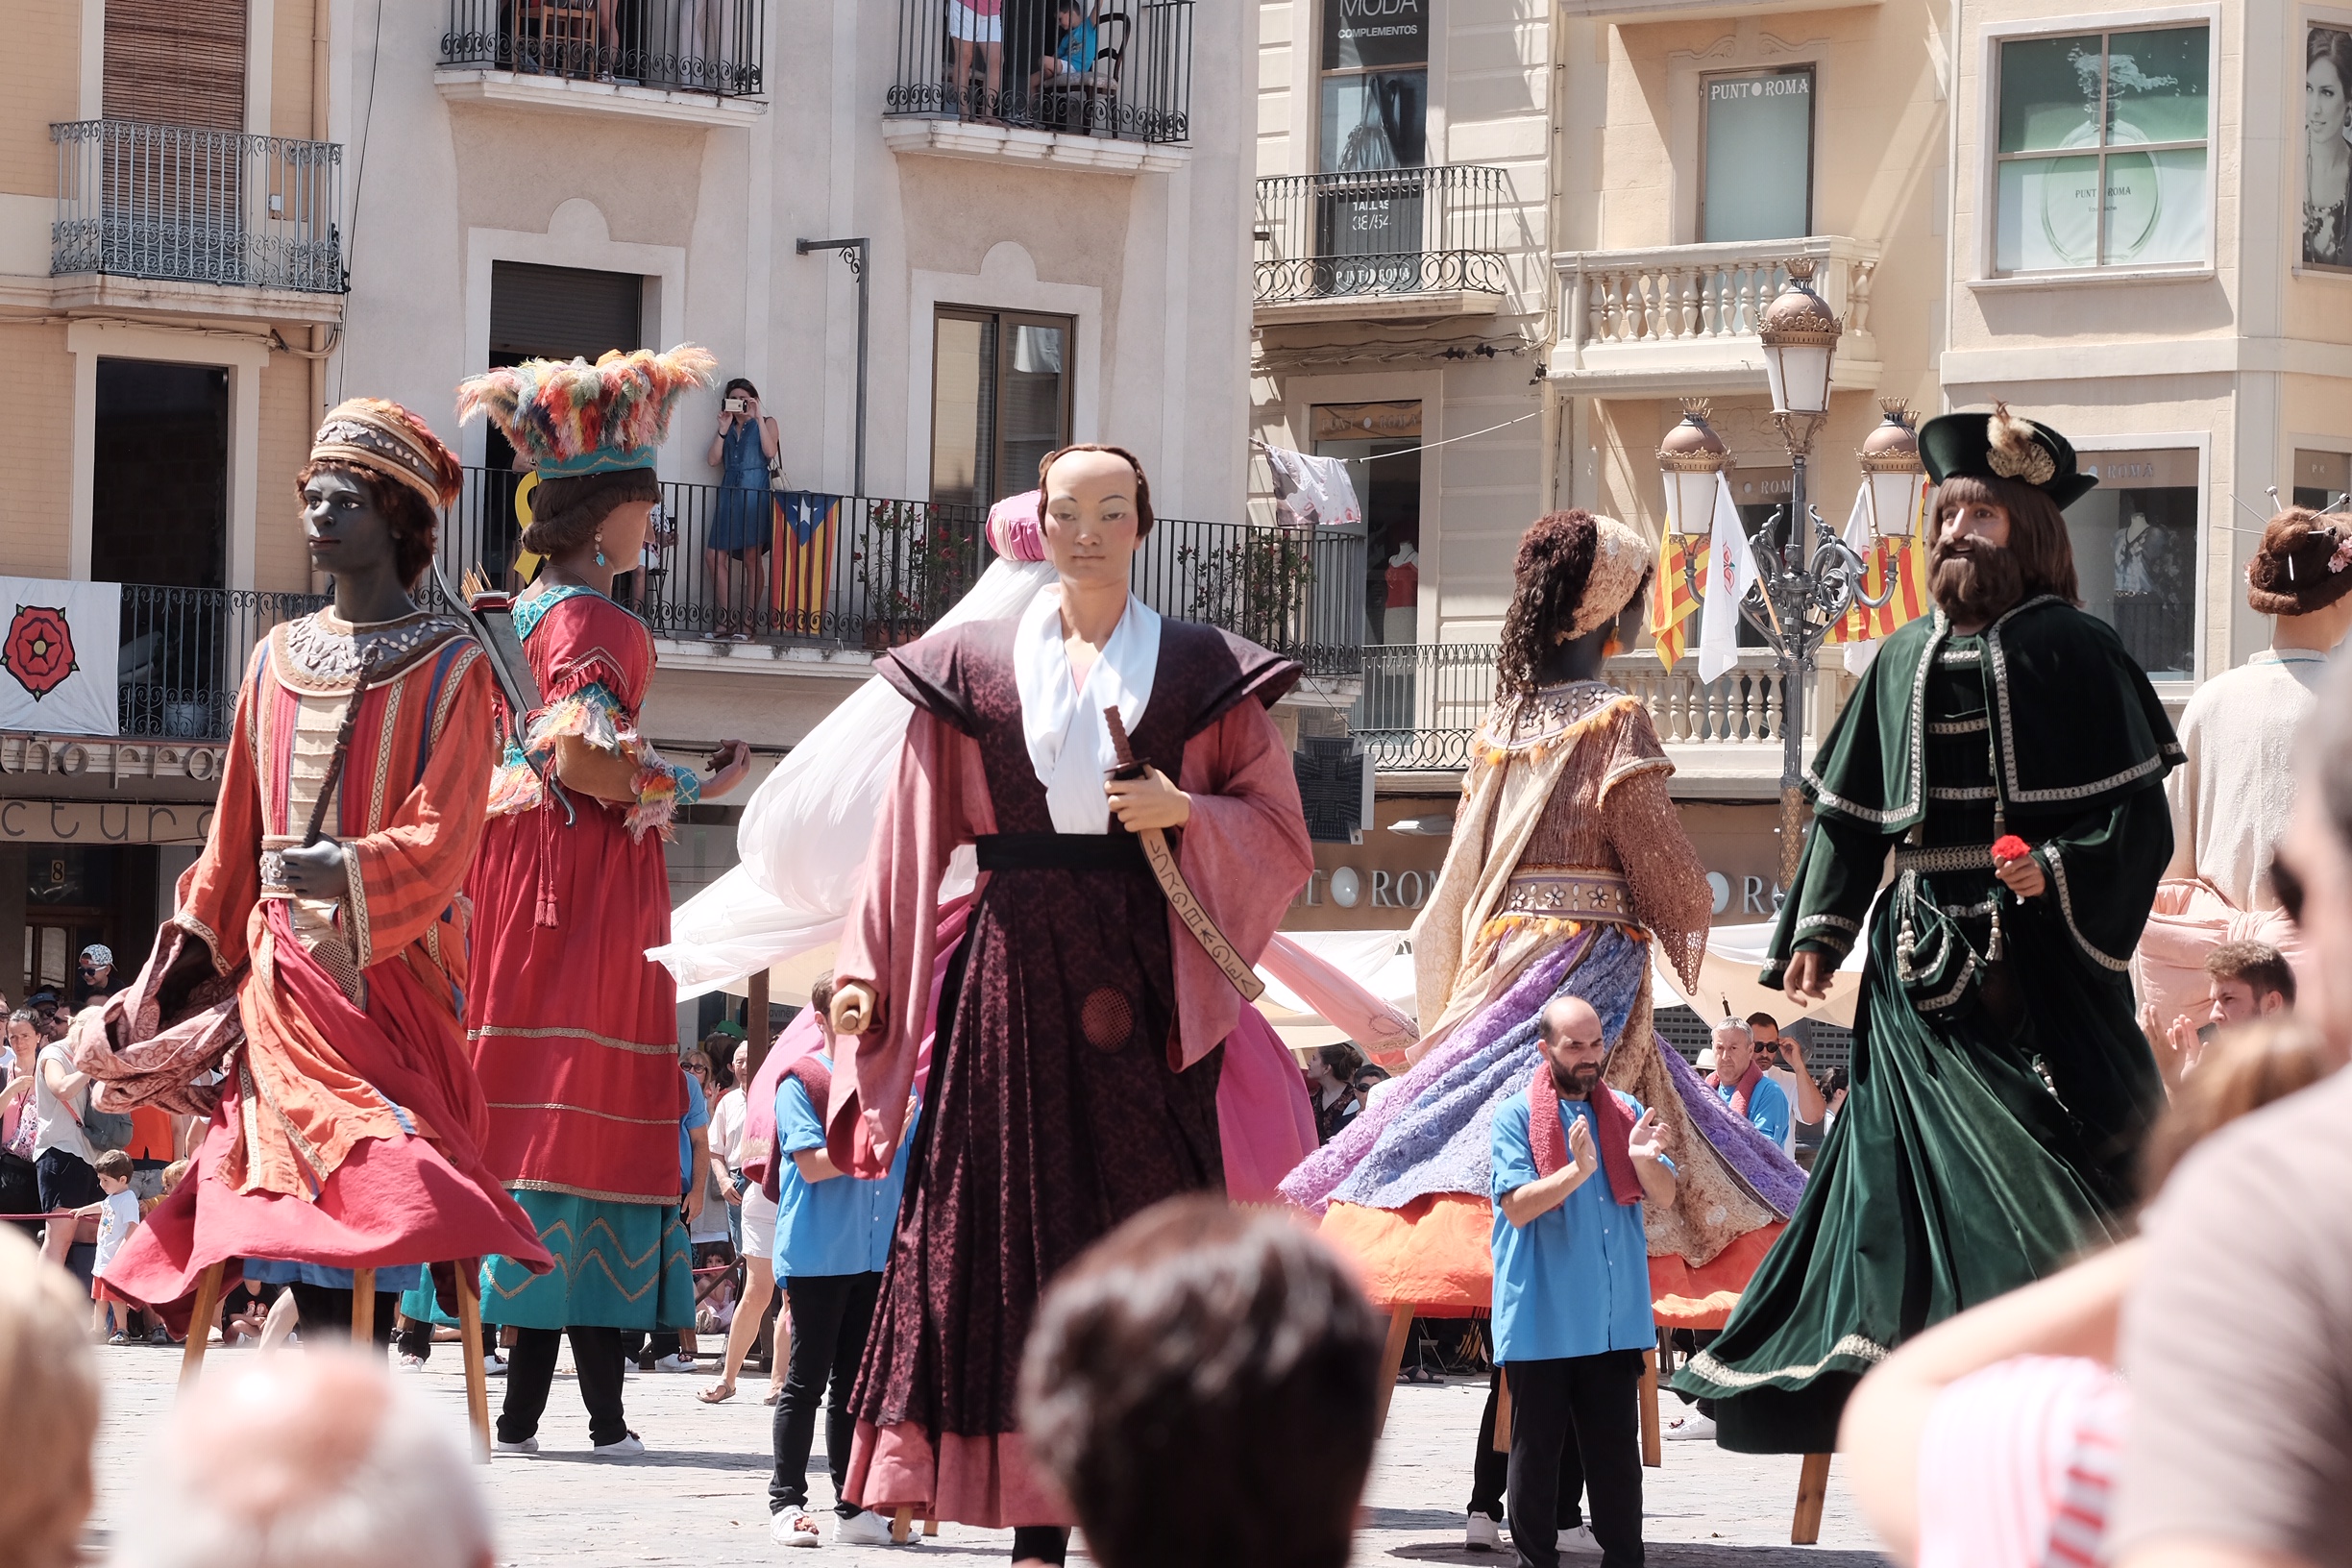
1374 32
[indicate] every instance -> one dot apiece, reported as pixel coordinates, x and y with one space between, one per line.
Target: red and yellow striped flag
1902 557
1670 602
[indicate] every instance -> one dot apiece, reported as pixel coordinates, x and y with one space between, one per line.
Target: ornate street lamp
1891 467
1807 578
1688 460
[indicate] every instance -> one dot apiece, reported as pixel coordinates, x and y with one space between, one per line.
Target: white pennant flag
1732 570
1858 655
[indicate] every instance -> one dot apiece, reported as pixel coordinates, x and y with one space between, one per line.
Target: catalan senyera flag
807 525
1670 602
1903 557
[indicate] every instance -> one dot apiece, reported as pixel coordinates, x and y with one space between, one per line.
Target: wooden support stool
200 1323
364 1307
1654 1454
1812 1491
477 1371
1392 1361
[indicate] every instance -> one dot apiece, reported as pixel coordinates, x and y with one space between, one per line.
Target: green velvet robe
1996 1103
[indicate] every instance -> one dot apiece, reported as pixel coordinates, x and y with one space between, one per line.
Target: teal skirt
618 1266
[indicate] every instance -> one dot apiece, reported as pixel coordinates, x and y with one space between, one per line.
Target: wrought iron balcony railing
176 203
1421 703
1382 231
185 653
713 46
1124 72
871 572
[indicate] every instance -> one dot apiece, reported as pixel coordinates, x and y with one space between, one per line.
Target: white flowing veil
805 831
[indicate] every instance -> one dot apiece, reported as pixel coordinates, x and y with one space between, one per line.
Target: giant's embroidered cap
573 418
1620 563
2002 446
383 437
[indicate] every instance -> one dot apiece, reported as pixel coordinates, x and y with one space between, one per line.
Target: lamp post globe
1800 333
1892 468
1689 460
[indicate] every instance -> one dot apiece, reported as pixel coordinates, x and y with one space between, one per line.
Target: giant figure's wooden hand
1808 976
855 1009
317 870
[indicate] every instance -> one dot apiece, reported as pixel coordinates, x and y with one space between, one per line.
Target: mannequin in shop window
1403 594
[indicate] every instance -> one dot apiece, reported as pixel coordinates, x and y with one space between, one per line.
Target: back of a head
1203 1385
309 1461
2247 1068
48 1408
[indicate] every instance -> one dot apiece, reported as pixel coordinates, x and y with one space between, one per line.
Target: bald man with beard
2012 757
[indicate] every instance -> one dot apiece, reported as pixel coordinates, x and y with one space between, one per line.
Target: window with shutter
176 63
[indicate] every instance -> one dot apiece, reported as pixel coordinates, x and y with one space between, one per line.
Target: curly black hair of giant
1553 564
415 524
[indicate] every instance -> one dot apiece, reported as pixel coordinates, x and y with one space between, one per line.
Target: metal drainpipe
316 365
859 254
1548 332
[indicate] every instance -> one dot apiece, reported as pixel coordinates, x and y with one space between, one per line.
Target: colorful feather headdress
573 418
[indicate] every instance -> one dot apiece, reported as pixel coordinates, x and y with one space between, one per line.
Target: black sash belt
1061 853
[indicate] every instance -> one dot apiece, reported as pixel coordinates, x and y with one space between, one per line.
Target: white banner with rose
60 647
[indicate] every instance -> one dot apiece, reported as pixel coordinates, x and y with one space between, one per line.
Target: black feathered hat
2001 445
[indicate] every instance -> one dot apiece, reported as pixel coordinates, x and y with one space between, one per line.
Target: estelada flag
1903 556
1670 602
808 526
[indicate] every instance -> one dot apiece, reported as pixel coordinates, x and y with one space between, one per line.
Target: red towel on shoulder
1612 1133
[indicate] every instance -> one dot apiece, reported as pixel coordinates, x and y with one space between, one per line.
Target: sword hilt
1129 764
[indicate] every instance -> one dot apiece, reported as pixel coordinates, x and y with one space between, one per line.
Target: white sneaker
675 1362
494 1366
626 1448
1693 1427
867 1528
1480 1533
411 1363
784 1527
1579 1540
529 1445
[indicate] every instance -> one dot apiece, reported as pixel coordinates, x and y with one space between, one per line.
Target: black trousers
831 1315
327 1312
530 1372
1591 1404
1491 1471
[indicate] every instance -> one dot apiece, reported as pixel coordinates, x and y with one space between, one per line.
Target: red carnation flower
2008 847
38 651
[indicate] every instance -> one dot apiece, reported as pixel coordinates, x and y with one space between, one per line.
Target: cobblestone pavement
700 1495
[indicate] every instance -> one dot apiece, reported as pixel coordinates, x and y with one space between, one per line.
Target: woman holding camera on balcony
744 530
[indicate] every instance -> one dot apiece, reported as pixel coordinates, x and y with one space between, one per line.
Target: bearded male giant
2011 755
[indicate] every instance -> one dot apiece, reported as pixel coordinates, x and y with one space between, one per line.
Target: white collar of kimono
1069 745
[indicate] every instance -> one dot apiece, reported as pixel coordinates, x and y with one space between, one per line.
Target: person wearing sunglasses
96 970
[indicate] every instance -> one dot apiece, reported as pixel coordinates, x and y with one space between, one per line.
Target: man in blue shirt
1740 1081
832 1236
1572 1289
